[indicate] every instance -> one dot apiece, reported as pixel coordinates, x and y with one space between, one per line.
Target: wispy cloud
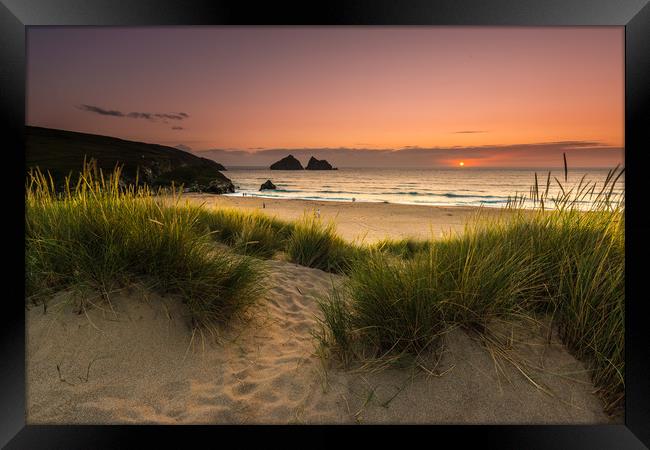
134 115
470 131
140 115
179 116
102 111
178 128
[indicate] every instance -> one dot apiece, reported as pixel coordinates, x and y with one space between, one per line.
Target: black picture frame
634 15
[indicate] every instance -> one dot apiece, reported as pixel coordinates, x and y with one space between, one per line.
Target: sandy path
359 220
137 365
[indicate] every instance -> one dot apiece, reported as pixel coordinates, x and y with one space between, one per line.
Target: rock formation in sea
318 164
287 163
268 185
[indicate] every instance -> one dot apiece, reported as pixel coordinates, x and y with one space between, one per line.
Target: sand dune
140 363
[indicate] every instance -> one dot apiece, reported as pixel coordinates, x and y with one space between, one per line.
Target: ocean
451 187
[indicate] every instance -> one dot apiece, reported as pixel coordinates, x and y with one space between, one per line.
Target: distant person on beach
354 199
263 205
318 213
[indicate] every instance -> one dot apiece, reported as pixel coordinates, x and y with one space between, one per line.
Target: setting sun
461 164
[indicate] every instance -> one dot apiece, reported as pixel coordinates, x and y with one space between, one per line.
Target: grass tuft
404 248
566 262
98 235
249 233
313 243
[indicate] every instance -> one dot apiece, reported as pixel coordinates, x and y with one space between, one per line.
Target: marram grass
249 233
313 243
405 248
98 235
566 262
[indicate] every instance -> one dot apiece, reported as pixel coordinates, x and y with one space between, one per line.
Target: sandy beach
359 221
137 360
140 363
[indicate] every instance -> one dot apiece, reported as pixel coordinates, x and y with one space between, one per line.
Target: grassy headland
63 154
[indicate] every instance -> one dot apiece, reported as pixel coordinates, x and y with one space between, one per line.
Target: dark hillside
62 152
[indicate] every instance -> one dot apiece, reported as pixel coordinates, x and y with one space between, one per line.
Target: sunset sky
417 96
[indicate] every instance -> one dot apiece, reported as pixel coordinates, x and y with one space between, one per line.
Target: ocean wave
454 195
325 194
316 197
342 192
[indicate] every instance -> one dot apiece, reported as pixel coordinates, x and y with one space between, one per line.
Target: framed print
362 217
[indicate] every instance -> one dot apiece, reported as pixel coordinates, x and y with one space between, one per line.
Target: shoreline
255 194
